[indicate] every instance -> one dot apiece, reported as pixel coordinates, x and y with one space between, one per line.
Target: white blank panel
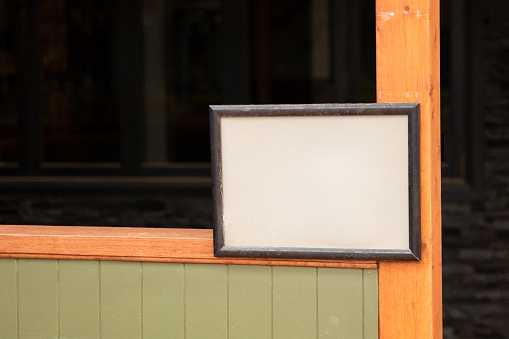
315 181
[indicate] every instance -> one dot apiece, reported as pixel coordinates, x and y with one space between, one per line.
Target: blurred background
104 115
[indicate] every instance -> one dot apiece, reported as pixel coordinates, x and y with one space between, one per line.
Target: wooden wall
112 299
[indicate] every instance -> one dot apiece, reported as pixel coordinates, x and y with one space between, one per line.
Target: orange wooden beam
408 70
132 244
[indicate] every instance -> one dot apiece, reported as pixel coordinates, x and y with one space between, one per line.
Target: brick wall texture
476 233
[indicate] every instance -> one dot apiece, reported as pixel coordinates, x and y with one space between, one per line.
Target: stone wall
476 233
140 210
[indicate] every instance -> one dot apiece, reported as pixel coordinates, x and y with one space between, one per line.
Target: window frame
465 180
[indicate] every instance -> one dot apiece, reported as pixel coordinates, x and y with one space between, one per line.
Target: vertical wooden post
408 70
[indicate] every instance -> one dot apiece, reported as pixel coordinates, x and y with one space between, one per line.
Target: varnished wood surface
132 244
408 70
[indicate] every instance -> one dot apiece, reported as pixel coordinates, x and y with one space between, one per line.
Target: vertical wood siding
93 299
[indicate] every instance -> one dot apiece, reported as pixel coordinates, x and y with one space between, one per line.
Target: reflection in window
128 83
104 103
81 121
8 113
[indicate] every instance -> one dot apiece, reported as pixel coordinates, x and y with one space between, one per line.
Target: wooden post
408 70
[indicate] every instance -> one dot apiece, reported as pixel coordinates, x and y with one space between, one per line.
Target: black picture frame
412 110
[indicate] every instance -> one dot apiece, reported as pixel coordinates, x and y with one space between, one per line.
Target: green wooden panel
8 299
88 299
250 301
206 301
79 298
38 298
340 303
294 302
370 304
163 300
120 299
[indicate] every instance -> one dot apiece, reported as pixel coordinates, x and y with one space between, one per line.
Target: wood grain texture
408 70
132 244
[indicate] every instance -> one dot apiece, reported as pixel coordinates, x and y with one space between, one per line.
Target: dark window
461 89
113 95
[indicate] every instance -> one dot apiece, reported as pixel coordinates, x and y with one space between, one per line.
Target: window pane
9 145
130 82
193 77
301 55
81 122
191 47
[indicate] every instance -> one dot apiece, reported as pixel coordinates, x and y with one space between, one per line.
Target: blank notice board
317 181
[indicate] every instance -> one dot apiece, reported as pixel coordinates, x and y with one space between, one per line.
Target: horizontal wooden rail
132 244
